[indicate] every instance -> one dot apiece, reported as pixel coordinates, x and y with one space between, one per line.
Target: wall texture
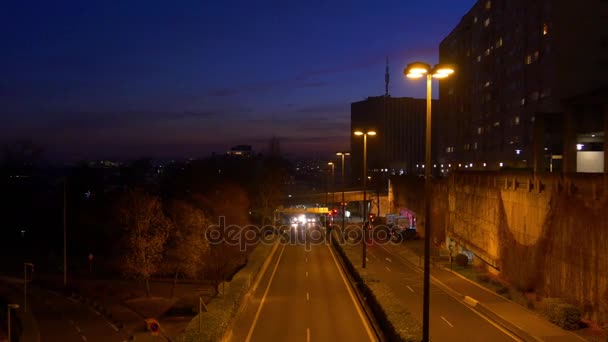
547 234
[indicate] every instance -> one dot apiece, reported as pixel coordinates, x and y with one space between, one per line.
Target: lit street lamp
333 193
343 154
364 218
25 265
418 70
9 307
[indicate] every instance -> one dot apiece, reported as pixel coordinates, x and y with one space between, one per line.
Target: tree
147 229
187 245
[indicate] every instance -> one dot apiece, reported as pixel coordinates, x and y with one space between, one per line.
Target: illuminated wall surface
590 161
551 241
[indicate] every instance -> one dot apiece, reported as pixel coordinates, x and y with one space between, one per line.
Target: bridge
353 198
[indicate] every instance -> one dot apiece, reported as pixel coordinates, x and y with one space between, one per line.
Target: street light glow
358 133
371 133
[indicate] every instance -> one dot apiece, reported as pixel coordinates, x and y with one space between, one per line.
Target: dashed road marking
388 259
307 334
306 274
387 268
409 288
84 338
307 296
77 329
445 320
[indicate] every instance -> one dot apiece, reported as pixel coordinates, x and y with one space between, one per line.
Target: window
529 59
497 124
475 146
486 22
545 29
487 52
488 4
479 58
487 84
451 91
475 20
499 42
479 130
523 101
516 120
467 147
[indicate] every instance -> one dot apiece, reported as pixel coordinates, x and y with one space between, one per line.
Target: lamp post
364 218
418 70
25 265
9 307
333 193
343 154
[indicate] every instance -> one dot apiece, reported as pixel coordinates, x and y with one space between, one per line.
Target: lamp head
416 70
358 133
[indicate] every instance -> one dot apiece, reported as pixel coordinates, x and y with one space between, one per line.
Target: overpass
353 198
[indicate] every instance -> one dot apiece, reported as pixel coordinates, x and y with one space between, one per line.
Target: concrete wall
546 234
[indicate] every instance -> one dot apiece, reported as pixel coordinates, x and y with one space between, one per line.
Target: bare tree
147 230
187 245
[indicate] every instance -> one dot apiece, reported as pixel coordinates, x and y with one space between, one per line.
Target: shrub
484 278
561 313
462 260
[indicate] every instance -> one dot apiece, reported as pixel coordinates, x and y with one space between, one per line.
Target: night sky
123 79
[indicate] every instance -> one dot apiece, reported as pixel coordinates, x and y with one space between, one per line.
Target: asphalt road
59 318
302 296
449 319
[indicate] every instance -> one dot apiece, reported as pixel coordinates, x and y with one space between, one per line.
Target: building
398 147
241 151
531 84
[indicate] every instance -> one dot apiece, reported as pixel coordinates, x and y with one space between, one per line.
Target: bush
462 260
561 313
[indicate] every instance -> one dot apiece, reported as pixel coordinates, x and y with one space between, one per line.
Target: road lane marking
387 268
409 288
352 297
84 338
388 259
445 320
77 329
113 326
306 259
307 334
306 274
307 296
257 314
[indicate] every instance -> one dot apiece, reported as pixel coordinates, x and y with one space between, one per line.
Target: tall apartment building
531 84
398 146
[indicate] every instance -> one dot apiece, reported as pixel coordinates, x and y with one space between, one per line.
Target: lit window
497 124
474 20
545 29
479 130
523 101
488 4
529 59
517 120
486 22
487 84
479 58
487 52
536 55
499 42
475 146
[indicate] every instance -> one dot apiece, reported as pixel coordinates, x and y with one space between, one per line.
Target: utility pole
65 248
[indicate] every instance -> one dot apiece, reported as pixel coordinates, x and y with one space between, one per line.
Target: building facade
398 147
524 70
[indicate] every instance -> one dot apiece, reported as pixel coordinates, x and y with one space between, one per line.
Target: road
450 319
61 318
303 296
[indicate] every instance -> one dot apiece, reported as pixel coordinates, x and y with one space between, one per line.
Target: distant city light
500 164
579 147
517 151
484 164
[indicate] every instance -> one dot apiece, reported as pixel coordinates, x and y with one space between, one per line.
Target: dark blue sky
92 79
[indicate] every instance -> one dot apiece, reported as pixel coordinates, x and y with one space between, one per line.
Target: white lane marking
306 259
113 326
307 334
306 274
307 296
409 288
84 338
388 259
445 320
257 314
77 329
387 268
367 259
352 297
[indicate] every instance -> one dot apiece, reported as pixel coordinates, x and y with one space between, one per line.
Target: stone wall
546 234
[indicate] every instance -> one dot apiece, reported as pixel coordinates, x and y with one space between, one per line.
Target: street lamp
25 265
333 193
343 154
418 70
9 307
364 227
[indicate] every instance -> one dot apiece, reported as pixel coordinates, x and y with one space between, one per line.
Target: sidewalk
522 322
